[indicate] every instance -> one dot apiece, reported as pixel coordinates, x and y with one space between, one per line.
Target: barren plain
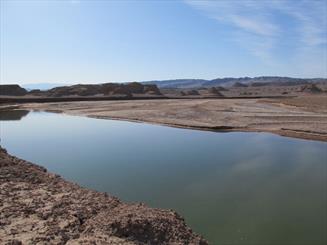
301 117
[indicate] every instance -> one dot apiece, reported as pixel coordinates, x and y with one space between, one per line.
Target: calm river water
233 188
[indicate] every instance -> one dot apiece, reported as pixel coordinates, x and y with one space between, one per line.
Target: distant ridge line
229 81
198 83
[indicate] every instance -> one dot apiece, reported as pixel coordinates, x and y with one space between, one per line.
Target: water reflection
12 115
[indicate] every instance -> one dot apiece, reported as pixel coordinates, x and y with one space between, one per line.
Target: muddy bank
301 117
41 207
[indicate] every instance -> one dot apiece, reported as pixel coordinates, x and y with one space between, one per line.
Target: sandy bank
40 207
301 117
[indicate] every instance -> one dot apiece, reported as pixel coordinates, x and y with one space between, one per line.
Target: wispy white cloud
311 18
241 14
263 26
248 20
254 26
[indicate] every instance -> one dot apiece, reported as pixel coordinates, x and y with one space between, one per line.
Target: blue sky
79 41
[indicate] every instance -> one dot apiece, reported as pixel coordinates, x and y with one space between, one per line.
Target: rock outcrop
104 89
151 89
12 90
311 88
40 207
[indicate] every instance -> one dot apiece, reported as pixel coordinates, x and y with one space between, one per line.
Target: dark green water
233 188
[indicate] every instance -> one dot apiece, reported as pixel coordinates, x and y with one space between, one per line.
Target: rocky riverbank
41 207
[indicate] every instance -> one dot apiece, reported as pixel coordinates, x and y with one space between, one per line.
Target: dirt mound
12 90
311 88
40 207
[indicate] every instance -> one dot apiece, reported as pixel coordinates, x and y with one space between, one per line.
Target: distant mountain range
202 83
229 81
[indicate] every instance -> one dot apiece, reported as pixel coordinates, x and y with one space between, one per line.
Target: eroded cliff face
37 206
129 89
